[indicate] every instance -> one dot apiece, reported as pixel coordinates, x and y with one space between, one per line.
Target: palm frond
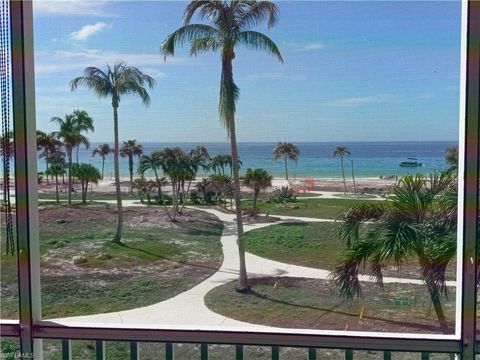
256 13
345 275
259 41
205 8
198 46
187 33
355 216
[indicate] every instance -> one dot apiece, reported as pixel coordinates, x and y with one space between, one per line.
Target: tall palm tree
229 25
419 218
257 179
130 149
286 151
71 128
115 82
342 151
84 123
102 150
48 145
56 168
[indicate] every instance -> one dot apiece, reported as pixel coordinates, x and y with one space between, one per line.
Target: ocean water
370 159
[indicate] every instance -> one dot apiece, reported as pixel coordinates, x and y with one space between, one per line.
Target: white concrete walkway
188 308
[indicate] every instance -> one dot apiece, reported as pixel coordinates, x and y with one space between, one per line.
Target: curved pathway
189 309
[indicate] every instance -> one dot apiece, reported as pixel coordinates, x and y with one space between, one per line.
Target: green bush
283 195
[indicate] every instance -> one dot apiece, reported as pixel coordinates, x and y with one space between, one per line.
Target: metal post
204 351
348 354
168 351
66 350
100 350
312 353
239 352
275 353
471 182
28 253
387 355
134 351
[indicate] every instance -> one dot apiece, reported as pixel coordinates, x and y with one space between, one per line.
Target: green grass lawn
156 260
315 208
310 304
306 244
316 244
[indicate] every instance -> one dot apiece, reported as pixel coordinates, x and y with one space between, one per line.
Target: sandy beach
362 185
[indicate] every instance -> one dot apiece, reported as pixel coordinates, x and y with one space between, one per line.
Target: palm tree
48 145
451 157
257 179
229 26
179 167
103 150
130 149
419 218
84 123
153 162
70 132
200 153
114 83
286 151
56 168
342 151
86 173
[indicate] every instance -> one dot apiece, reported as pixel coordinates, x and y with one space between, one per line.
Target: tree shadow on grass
163 257
422 327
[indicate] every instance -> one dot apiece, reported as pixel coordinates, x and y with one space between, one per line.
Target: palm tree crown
286 151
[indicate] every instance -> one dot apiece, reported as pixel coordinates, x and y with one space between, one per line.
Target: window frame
30 328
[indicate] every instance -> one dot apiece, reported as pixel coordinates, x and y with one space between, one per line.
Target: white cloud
277 76
357 101
71 7
306 47
69 61
88 30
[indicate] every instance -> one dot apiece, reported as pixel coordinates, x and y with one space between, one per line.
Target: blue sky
353 71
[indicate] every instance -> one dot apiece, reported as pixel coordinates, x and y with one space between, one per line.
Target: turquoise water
370 159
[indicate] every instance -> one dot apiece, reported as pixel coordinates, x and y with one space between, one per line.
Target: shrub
283 195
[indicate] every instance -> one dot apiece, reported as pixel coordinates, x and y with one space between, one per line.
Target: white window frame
30 328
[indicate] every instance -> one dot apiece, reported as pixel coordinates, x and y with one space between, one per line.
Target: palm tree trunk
160 193
286 168
242 278
84 198
56 188
46 167
437 305
69 154
343 175
353 178
227 89
103 165
130 169
255 197
118 234
78 148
